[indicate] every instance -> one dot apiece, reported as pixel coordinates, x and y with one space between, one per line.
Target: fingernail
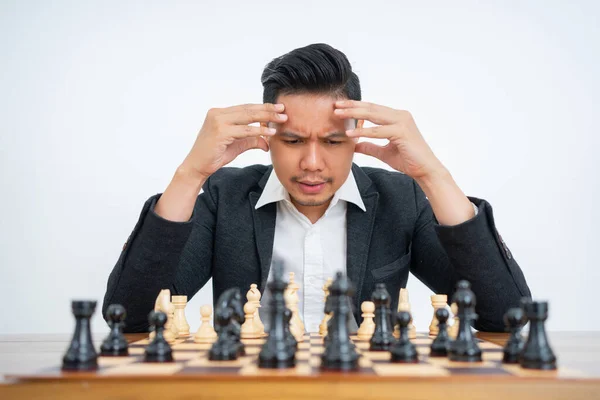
338 111
279 107
350 132
282 117
271 131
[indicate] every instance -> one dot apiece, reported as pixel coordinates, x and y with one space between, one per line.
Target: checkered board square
191 360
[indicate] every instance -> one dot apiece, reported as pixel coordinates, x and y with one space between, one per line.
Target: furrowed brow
336 135
290 135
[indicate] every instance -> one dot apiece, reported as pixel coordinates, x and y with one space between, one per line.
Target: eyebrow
334 135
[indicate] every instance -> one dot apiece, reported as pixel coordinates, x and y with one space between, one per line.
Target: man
313 208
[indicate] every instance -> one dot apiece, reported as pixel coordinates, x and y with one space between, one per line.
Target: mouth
308 187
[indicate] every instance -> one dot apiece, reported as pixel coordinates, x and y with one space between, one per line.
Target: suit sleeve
473 250
162 254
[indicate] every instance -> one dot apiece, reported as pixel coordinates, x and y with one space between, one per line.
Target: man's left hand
406 151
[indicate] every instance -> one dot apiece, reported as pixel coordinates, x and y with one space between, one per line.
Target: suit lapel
359 227
264 230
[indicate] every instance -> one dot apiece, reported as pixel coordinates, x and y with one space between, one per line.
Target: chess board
191 361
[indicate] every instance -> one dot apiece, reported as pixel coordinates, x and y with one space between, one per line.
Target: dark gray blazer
232 242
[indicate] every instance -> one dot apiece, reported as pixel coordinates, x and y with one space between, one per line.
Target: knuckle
213 112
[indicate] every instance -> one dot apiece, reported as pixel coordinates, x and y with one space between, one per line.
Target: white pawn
367 328
326 317
206 333
248 330
183 328
404 305
453 330
437 301
253 296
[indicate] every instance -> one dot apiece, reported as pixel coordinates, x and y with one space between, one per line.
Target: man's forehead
283 128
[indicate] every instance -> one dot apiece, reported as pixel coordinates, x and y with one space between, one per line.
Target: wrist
435 178
185 175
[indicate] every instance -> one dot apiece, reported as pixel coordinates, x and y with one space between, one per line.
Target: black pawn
115 344
439 346
514 346
537 353
383 336
464 348
81 355
403 351
159 350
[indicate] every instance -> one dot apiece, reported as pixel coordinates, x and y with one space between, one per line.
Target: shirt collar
275 192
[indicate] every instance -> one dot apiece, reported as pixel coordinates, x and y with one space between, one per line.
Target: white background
100 101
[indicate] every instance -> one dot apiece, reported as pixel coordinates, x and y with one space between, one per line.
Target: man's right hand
226 134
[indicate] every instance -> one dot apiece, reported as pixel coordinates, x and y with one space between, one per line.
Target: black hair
316 68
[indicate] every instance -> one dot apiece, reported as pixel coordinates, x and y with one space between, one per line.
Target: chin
313 201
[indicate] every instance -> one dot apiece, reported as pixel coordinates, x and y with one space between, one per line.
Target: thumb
370 149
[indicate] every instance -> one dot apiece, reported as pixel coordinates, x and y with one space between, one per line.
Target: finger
258 107
247 116
247 131
250 143
376 132
370 149
376 115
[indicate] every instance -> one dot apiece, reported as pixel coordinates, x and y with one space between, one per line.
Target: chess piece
163 304
464 348
115 343
437 301
179 320
340 353
229 316
159 350
294 288
404 305
277 351
248 330
366 329
291 301
326 317
453 329
439 346
537 353
514 346
383 336
289 336
81 355
403 351
254 296
206 333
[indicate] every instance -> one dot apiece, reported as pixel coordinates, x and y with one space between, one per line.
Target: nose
312 159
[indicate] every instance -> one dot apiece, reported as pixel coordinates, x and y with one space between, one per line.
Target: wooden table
24 354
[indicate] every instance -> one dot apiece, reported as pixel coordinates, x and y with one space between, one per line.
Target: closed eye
295 141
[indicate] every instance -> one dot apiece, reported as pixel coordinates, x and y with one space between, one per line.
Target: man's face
311 154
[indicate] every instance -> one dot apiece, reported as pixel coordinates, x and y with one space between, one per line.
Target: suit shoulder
386 179
236 177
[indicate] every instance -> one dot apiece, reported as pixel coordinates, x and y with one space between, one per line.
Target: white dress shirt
314 252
